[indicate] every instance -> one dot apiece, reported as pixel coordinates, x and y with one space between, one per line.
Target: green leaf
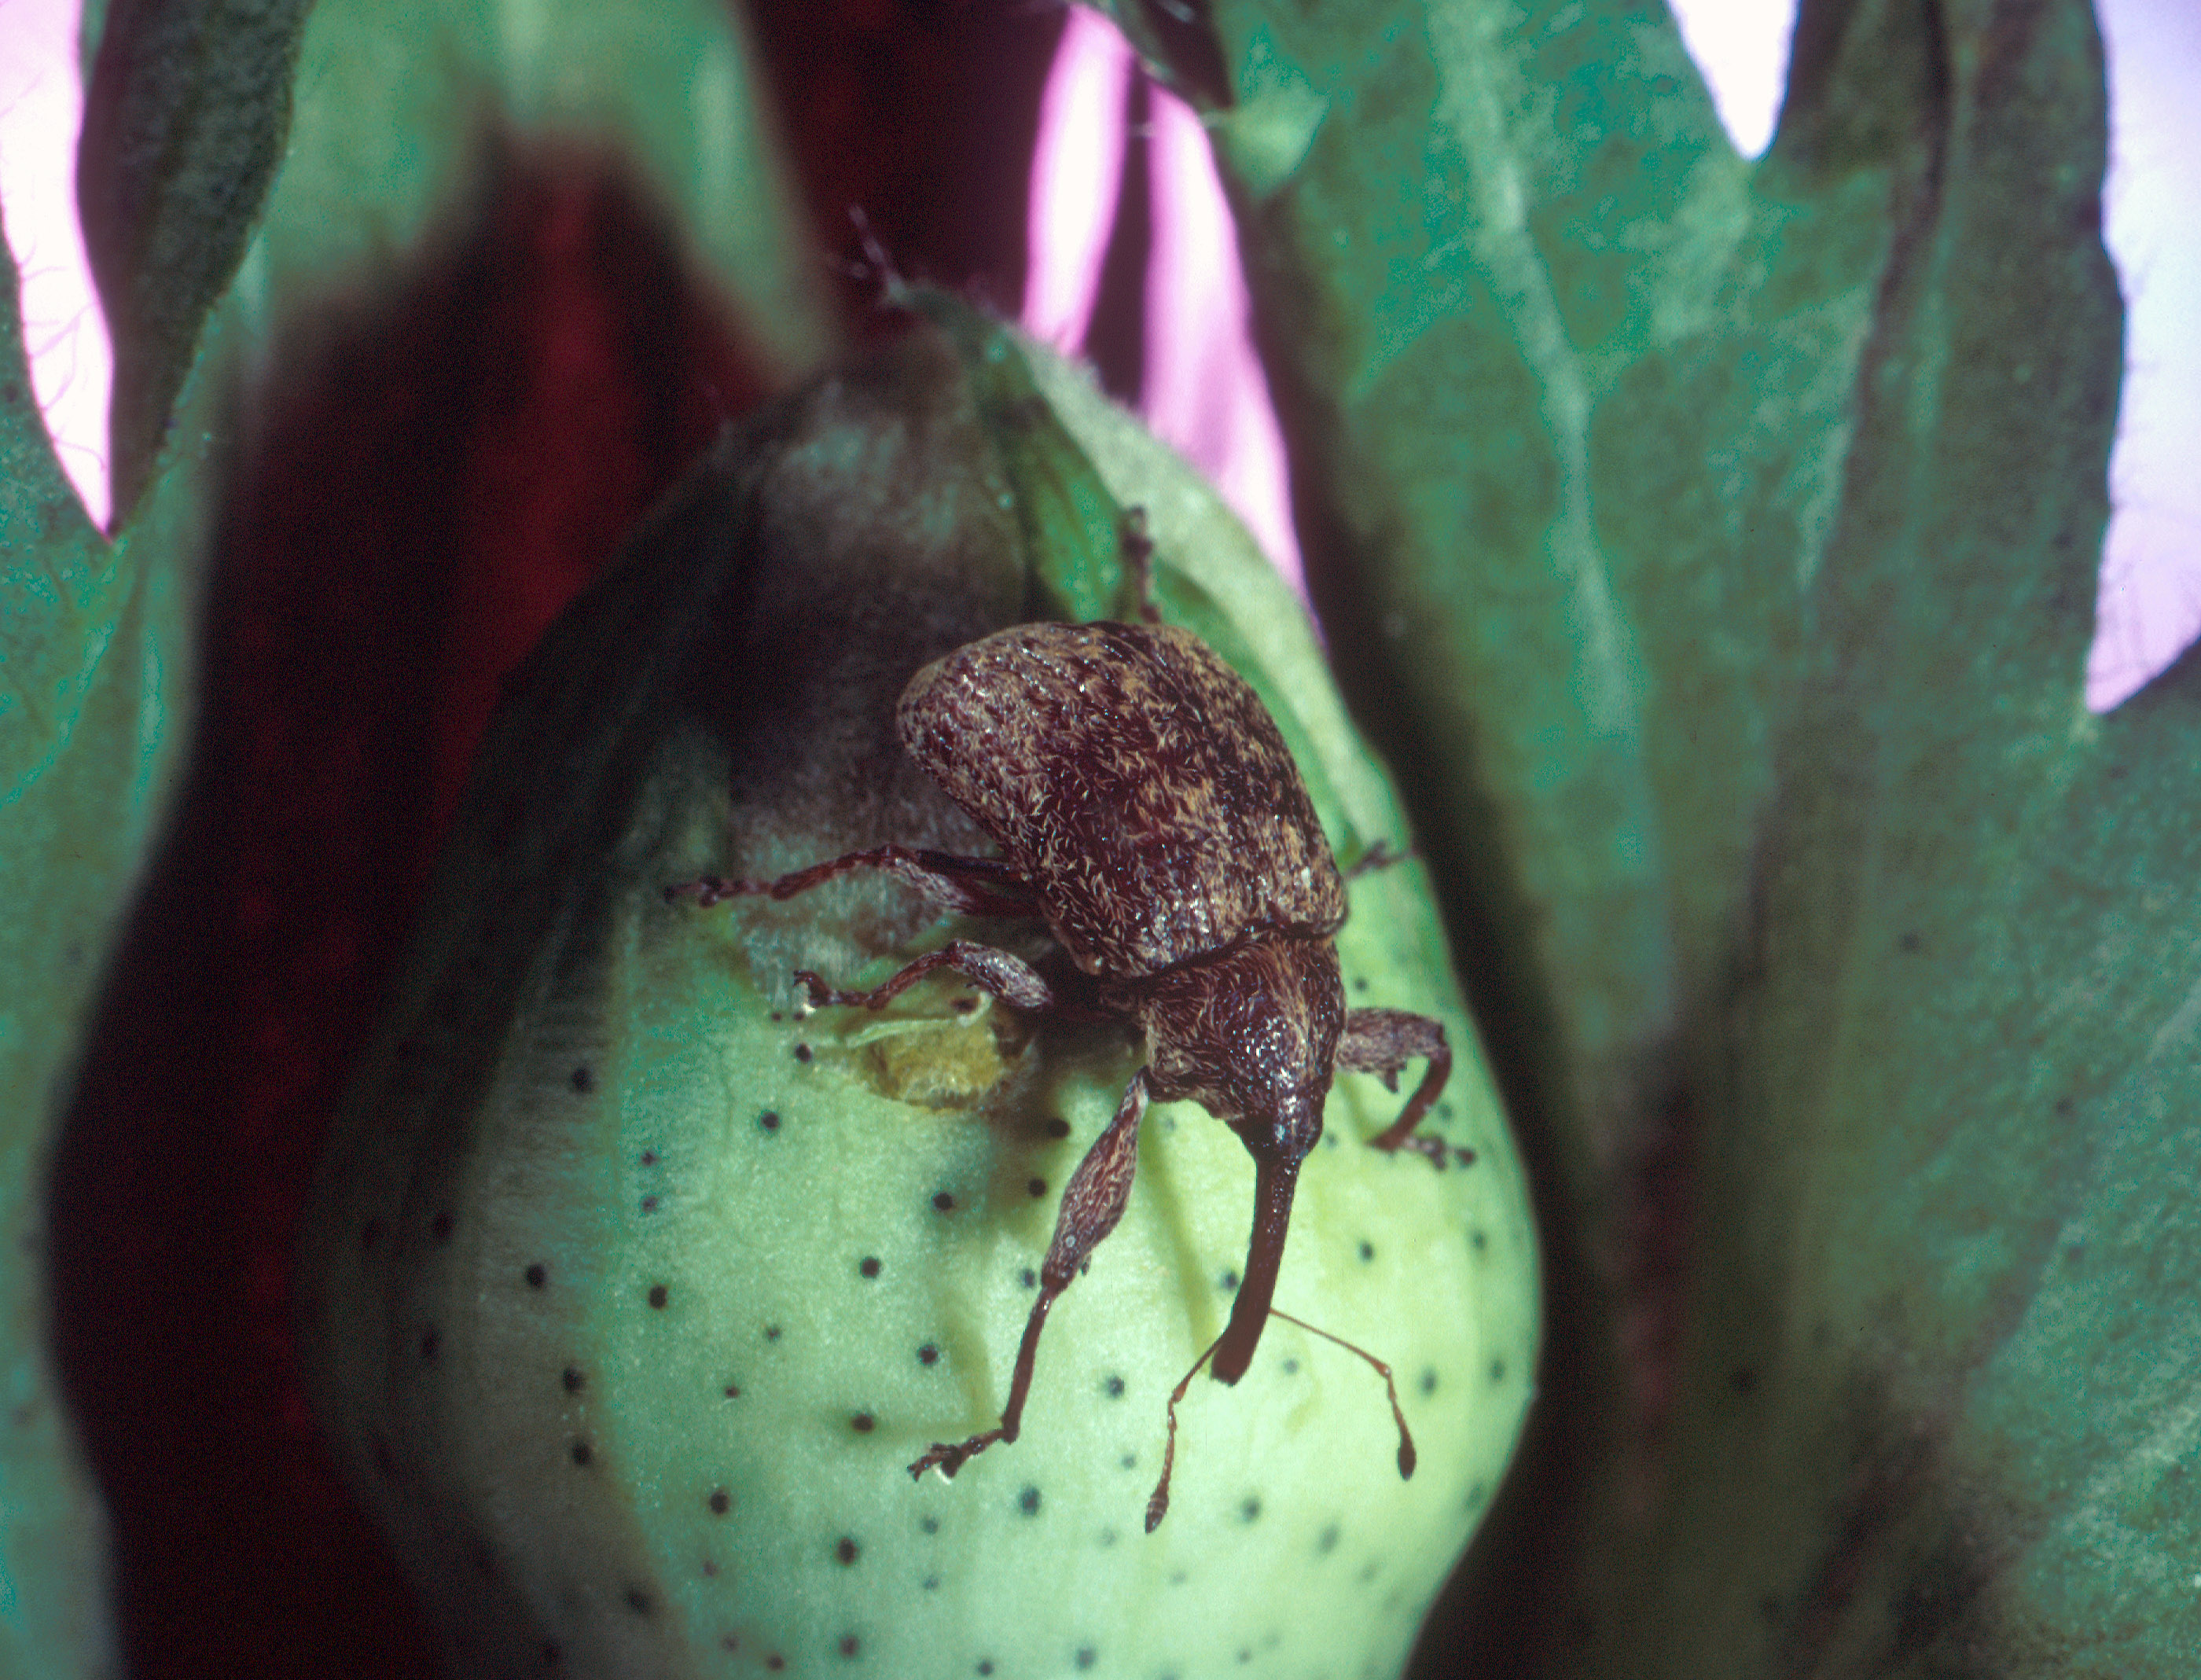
384 120
1719 541
185 111
405 107
81 704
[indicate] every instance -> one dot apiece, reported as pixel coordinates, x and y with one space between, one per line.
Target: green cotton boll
632 1287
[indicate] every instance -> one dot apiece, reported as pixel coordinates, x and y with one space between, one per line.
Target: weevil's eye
1287 1129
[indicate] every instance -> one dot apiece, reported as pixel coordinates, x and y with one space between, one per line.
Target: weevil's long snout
1278 1146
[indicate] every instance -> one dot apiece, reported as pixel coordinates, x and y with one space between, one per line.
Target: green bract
1714 543
633 1287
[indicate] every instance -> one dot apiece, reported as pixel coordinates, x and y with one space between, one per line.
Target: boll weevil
1148 810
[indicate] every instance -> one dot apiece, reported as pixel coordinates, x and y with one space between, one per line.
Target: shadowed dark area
428 487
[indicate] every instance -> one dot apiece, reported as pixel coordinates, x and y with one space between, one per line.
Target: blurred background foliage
1712 544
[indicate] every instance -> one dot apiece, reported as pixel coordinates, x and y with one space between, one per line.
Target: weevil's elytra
1137 780
1147 809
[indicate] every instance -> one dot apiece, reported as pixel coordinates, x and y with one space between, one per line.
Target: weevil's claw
1435 1151
709 890
948 1459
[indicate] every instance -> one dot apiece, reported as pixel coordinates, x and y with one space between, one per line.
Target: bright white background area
1204 390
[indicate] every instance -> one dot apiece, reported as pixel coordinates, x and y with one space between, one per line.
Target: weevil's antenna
1158 1505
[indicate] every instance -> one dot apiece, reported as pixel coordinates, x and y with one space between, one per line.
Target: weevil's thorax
1252 1033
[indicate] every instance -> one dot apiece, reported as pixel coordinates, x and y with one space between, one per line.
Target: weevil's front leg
975 886
1092 1203
1010 978
1384 1041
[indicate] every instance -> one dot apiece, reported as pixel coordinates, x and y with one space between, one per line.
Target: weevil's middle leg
1137 549
1009 977
1381 1042
975 886
1092 1203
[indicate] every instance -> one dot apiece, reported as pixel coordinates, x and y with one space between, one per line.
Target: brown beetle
1147 808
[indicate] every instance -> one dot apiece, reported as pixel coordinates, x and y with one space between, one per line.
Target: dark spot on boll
772 1332
573 1379
658 1296
1086 1656
846 1551
984 1667
944 1202
1130 1461
1909 942
710 1566
963 1006
1481 1240
769 1120
869 1265
1108 1537
1249 1509
733 1391
1291 1367
1477 1494
638 1600
552 1655
650 1204
1245 1654
583 1454
1361 983
931 1583
1743 1380
1031 1278
1057 1127
1326 1541
802 1052
775 1662
440 1228
928 1355
582 1081
1429 1380
928 1525
431 1342
863 1422
1498 1371
730 1642
536 1276
1028 1501
1112 1386
1036 1188
1367 1249
848 1645
649 1157
720 1501
1227 1283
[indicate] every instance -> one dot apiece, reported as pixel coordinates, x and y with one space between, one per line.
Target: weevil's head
1253 1034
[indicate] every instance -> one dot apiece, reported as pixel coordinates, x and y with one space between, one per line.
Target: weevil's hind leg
1377 856
975 886
1010 978
1384 1041
1092 1203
